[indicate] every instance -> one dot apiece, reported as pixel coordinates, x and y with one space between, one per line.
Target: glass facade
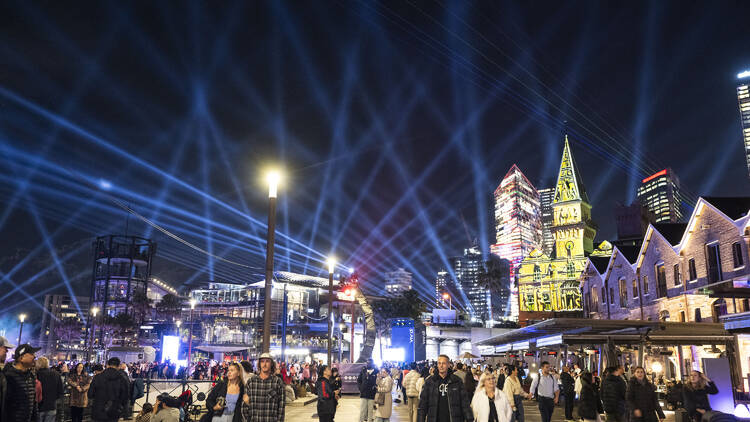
660 194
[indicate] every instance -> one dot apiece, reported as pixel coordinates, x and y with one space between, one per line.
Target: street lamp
178 323
190 339
447 297
94 311
21 317
273 178
331 267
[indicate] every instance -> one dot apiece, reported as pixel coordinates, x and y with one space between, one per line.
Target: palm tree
169 306
67 331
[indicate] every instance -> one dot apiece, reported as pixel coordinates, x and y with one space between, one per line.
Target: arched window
537 272
664 315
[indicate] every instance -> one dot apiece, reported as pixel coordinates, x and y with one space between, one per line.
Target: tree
169 306
142 305
121 326
67 331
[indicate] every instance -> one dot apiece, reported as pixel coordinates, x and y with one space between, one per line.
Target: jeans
47 416
76 414
413 408
616 417
518 413
366 410
546 406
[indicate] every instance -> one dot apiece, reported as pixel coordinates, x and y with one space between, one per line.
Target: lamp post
22 318
331 266
283 324
190 338
273 181
351 340
341 340
92 328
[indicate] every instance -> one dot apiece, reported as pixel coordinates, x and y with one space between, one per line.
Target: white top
547 386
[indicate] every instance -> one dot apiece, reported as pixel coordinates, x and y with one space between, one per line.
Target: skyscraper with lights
467 269
660 194
546 197
397 282
518 224
743 97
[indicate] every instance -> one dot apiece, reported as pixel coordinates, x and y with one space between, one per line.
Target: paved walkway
348 411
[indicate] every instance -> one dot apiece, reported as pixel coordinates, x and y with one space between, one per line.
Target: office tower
546 197
743 97
660 194
397 281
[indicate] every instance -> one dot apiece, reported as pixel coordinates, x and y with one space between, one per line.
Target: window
537 273
571 269
737 255
682 316
713 263
623 294
611 295
594 300
661 281
645 285
677 275
604 296
635 289
692 274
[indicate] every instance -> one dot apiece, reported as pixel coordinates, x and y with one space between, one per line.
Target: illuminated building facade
518 224
660 194
743 97
548 284
397 282
467 269
57 333
546 197
441 286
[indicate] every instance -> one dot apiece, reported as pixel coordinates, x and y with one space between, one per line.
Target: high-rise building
548 284
397 281
441 286
518 224
63 328
660 194
467 268
546 197
495 275
743 97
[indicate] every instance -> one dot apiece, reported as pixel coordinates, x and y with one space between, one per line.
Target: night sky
393 121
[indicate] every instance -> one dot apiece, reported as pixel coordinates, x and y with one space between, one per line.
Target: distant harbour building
518 224
63 328
548 284
397 281
467 268
660 194
743 97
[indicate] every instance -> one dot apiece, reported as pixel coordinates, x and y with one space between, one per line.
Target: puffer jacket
614 389
698 399
458 401
20 398
410 383
110 392
642 396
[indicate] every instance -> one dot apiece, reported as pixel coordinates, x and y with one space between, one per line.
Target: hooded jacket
458 401
367 383
613 394
20 397
52 388
110 392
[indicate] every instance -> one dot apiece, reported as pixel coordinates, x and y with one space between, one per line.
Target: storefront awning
572 331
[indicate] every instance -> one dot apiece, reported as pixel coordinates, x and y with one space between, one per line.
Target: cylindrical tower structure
122 269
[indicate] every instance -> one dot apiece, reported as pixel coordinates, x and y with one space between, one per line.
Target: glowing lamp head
656 367
94 311
22 317
179 323
192 303
446 296
273 178
331 261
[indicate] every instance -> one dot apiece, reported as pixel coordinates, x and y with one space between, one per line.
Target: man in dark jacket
20 398
4 346
109 390
613 395
444 397
568 391
52 390
367 383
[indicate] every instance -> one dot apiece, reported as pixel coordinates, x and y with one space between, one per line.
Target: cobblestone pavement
348 411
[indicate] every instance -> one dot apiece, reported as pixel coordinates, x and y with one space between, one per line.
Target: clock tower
572 227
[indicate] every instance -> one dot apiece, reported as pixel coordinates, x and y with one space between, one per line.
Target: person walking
410 384
110 393
20 397
223 401
367 383
384 403
568 392
52 390
513 390
589 406
642 400
695 395
547 392
4 346
79 382
326 396
500 375
264 394
489 403
613 393
444 397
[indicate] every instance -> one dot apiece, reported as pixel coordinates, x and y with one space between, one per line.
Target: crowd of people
258 391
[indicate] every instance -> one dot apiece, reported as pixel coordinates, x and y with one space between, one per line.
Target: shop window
737 255
692 274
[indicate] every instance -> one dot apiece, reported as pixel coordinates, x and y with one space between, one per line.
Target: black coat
111 393
613 394
52 388
568 384
458 400
589 405
3 389
326 400
697 399
20 397
642 396
501 381
367 383
220 390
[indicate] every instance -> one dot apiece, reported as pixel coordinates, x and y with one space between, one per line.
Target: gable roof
600 262
672 232
630 253
569 178
734 207
514 169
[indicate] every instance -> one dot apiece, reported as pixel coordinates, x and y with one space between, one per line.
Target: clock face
569 245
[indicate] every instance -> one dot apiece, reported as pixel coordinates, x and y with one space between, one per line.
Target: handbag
380 399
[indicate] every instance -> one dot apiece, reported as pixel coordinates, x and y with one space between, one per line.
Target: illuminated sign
402 338
170 348
655 175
